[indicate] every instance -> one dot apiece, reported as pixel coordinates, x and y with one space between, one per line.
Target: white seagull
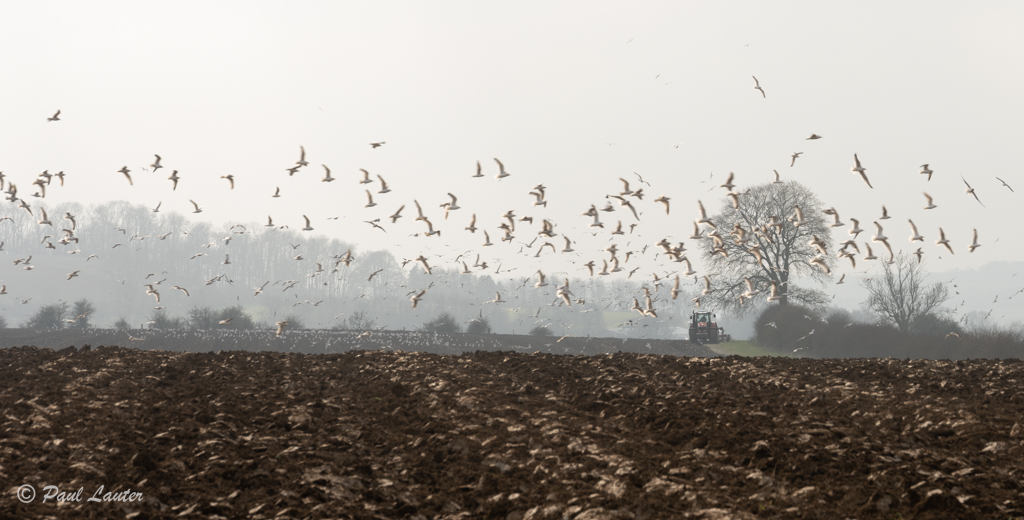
501 167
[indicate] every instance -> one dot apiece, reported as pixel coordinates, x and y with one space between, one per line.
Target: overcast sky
573 95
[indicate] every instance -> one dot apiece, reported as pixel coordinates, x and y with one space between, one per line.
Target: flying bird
55 117
327 175
970 191
198 209
156 164
126 171
153 292
794 157
926 171
942 241
417 297
914 236
813 137
974 243
501 167
1004 183
930 204
757 86
397 215
664 200
423 260
857 168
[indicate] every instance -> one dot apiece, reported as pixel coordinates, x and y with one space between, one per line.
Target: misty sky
573 95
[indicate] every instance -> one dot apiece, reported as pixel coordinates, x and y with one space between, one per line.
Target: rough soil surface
325 341
509 435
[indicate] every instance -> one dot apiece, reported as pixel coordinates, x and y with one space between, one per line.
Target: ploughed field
327 341
492 434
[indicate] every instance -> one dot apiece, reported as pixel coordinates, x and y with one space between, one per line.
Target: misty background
571 95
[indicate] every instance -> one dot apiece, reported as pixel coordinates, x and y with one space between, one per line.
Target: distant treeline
303 278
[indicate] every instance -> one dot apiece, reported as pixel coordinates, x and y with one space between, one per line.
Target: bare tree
49 317
899 295
748 246
81 313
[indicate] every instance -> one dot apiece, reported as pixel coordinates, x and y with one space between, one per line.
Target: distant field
743 348
613 319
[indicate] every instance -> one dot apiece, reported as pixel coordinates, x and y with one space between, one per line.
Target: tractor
703 328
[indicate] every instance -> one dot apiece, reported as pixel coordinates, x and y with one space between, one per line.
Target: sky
573 95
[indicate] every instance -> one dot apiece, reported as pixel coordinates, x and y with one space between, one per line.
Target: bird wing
866 181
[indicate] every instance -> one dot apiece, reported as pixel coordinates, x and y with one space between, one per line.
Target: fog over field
298 135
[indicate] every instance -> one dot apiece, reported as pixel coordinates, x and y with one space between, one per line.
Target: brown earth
328 341
371 434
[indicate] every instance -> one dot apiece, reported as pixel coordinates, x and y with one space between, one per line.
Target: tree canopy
756 236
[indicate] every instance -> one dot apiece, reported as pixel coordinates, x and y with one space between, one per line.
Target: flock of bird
626 199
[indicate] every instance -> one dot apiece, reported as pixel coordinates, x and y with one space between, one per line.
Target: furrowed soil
503 434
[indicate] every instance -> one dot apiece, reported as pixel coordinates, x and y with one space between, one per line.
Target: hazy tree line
221 267
305 282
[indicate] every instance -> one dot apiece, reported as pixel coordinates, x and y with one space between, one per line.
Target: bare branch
899 295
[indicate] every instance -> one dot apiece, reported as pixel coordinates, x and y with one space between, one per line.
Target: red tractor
703 329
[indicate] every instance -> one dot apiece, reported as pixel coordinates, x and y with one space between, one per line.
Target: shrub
160 320
932 323
49 317
359 320
122 323
202 318
81 312
542 331
294 322
479 326
789 323
444 323
3 322
239 319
